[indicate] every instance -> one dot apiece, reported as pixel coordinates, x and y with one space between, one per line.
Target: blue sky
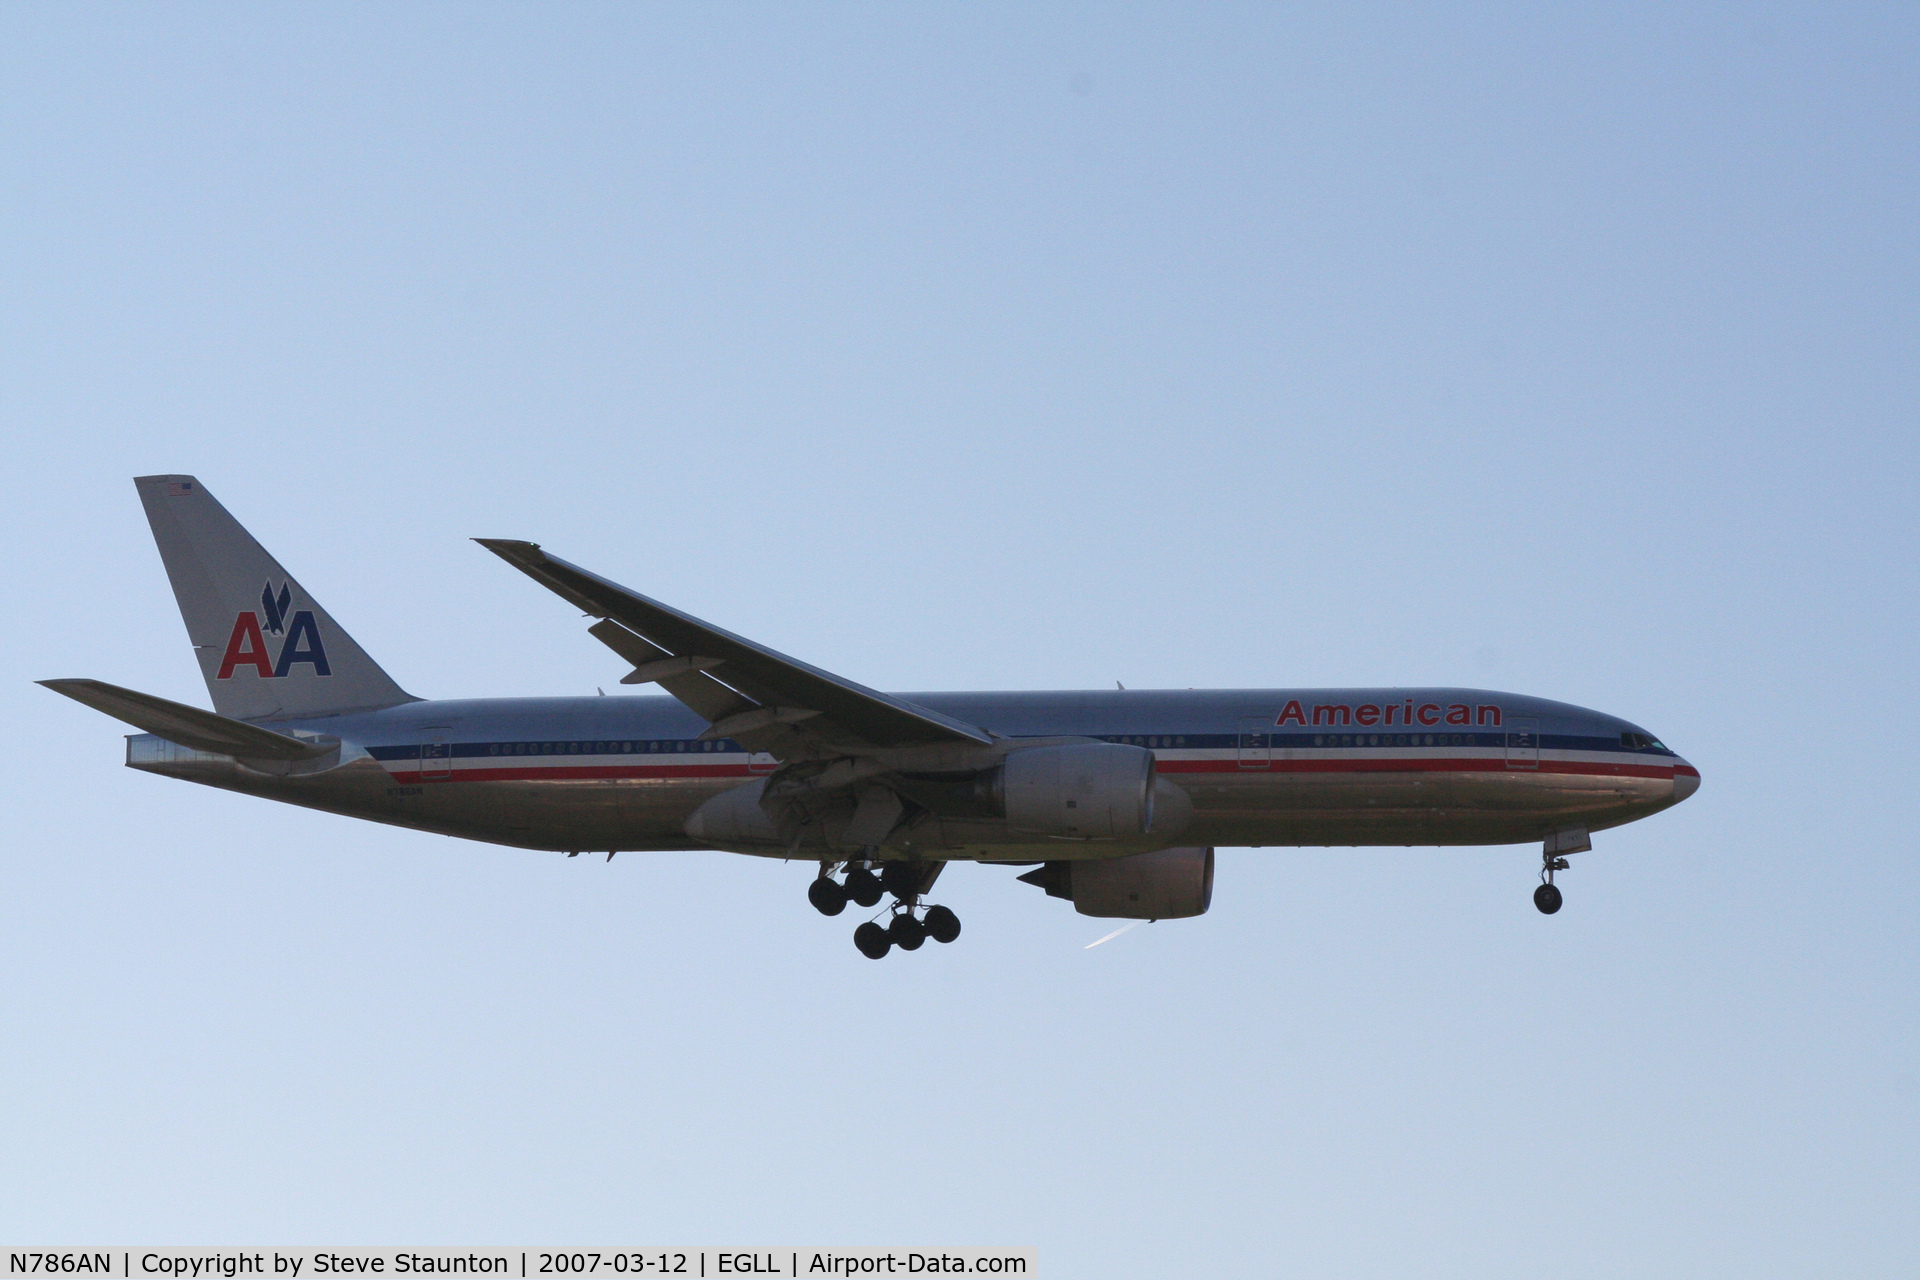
1015 347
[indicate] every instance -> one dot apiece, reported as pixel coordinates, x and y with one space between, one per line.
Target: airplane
1115 799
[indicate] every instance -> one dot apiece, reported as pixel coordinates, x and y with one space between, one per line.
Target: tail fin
266 647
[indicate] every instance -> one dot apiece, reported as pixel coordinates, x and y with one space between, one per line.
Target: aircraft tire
897 878
1547 898
907 933
941 924
864 887
827 896
872 940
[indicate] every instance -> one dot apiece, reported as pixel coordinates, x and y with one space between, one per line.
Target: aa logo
300 638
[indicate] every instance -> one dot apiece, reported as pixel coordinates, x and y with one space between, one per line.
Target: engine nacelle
1168 884
1083 790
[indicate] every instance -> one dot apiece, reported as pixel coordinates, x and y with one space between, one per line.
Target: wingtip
513 549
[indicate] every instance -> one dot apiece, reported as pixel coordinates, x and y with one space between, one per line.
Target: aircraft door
436 754
1255 743
1523 743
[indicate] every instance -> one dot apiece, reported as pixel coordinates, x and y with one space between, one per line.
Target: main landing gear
906 881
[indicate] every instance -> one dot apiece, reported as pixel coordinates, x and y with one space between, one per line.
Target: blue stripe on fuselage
1324 740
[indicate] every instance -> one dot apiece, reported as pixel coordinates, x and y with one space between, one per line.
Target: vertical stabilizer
266 647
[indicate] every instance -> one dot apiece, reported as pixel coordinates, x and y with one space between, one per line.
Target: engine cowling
1167 884
1083 790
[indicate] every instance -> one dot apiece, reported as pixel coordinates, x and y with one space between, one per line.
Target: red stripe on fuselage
588 773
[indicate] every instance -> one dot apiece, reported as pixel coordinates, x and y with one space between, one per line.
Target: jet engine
1168 884
1084 790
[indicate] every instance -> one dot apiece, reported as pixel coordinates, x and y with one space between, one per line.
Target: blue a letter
291 652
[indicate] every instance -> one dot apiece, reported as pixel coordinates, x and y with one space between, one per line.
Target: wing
745 691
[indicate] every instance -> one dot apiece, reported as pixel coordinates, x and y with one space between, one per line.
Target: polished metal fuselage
1259 767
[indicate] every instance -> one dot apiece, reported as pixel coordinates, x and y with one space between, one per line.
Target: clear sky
1016 347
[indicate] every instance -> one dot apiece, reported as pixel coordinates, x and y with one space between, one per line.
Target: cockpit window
1641 742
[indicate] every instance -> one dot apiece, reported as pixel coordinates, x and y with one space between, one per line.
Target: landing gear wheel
941 924
872 940
907 933
828 897
1547 897
898 878
864 887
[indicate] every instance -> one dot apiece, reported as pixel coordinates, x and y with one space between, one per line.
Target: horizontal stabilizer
189 726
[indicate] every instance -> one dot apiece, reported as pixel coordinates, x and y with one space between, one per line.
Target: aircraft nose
1686 781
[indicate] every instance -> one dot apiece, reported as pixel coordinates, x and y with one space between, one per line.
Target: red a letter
1457 713
246 628
1292 712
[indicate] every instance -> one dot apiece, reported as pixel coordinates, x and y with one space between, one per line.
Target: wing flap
708 698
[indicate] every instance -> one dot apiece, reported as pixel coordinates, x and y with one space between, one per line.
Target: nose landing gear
1553 858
